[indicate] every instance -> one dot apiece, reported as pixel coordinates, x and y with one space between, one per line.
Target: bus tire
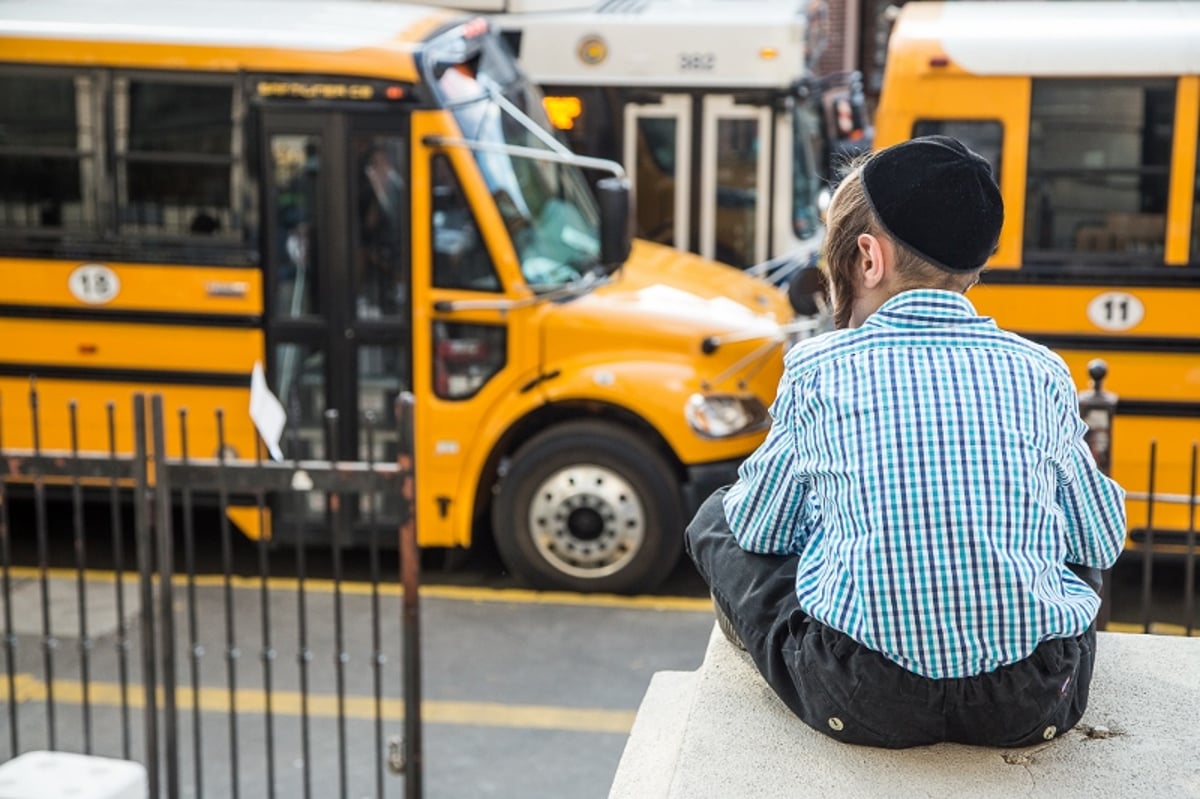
588 506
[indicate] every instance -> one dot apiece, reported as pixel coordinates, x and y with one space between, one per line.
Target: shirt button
835 724
1049 732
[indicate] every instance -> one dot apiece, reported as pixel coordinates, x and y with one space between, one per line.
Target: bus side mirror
806 291
616 238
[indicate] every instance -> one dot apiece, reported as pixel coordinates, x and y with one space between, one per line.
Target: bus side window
984 137
1099 163
48 140
177 156
460 257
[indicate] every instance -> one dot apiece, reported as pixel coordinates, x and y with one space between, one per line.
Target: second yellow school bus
367 199
1088 112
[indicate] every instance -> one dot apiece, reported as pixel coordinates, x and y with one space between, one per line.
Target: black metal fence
1098 408
1178 548
238 685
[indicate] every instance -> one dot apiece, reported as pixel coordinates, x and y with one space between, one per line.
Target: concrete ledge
724 734
66 775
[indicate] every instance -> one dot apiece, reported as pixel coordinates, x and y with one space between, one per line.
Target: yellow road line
30 689
519 596
1156 628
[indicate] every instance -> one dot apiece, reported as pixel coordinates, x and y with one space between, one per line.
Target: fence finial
1098 407
1097 370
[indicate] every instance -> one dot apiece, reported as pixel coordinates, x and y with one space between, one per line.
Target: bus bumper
705 478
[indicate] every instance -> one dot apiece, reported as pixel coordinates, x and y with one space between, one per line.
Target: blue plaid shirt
930 471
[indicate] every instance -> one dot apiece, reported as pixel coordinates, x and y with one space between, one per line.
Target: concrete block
64 775
648 763
1140 737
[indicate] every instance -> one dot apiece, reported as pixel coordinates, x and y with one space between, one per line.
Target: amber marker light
562 111
768 53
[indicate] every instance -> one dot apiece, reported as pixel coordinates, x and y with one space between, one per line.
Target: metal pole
268 650
1148 542
195 649
49 642
303 653
410 578
1098 409
337 516
232 653
145 544
118 549
80 545
377 657
10 638
166 569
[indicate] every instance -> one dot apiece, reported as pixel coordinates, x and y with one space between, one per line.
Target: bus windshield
547 208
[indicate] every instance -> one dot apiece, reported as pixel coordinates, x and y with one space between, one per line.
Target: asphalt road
525 694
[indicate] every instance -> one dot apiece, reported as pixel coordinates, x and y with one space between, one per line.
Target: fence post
166 571
410 578
49 642
145 565
1098 408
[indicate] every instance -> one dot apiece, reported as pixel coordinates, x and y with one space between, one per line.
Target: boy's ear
872 260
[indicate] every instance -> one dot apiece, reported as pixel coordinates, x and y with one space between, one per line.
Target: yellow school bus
367 199
1088 112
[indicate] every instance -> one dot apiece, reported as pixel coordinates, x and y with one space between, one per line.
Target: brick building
856 34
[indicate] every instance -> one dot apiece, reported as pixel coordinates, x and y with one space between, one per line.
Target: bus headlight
724 415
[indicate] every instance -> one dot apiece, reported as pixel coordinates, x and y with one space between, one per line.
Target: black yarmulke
938 199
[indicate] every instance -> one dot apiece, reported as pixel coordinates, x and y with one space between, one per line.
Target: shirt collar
922 307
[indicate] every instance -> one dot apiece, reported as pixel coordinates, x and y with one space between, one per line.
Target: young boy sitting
910 556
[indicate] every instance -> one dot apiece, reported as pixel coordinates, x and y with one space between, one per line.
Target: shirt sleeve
763 507
1094 504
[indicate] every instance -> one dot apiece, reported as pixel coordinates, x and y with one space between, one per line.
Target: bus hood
662 307
655 266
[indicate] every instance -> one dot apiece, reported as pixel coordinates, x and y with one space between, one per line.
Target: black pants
854 694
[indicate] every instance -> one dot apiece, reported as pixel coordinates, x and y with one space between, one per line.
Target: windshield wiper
542 135
556 151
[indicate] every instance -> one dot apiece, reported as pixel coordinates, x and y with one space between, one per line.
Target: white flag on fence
266 411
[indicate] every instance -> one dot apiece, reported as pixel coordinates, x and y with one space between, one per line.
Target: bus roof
664 43
1104 37
342 37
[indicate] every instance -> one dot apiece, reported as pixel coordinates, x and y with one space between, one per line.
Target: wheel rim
587 521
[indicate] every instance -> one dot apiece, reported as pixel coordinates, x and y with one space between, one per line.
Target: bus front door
658 158
729 151
736 154
338 314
